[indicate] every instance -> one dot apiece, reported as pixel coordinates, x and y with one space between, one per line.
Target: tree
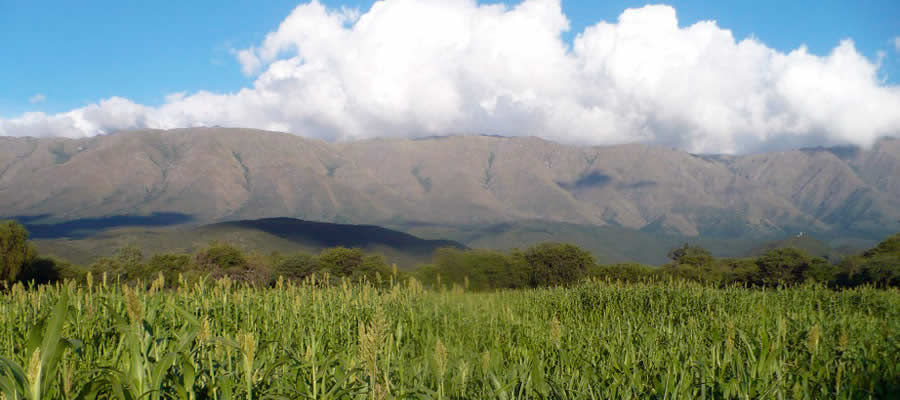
130 256
625 272
15 250
127 263
557 264
353 263
879 266
483 269
41 271
297 266
341 261
223 257
890 246
691 255
740 271
170 265
786 266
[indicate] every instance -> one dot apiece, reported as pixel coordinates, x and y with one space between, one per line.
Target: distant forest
546 264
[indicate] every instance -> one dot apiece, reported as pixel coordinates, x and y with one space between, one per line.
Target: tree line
546 264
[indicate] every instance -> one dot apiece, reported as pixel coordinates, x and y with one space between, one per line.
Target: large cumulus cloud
424 67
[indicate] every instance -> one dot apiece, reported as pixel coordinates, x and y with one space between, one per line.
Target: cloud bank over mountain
408 68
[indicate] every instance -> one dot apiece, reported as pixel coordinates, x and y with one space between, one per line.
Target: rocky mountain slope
218 174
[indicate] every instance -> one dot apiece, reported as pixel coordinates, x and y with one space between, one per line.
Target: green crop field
594 340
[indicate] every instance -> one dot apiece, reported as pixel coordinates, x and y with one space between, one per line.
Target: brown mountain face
218 174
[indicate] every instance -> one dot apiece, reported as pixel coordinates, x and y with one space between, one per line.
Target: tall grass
221 340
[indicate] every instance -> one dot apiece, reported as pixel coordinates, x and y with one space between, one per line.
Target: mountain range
455 187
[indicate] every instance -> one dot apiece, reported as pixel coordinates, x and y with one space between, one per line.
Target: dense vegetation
223 323
223 340
546 264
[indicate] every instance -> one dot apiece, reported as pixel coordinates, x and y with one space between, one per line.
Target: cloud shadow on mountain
594 179
85 227
323 234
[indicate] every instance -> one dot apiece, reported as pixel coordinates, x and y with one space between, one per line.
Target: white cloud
897 43
424 67
37 98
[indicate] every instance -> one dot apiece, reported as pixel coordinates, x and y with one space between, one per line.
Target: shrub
627 272
341 261
39 271
556 264
15 251
297 266
353 263
170 265
879 266
127 264
890 246
222 256
787 266
691 255
483 269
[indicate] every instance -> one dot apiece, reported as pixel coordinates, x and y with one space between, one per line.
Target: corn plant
354 340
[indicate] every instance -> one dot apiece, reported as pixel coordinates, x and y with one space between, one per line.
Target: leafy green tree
743 271
297 266
341 261
127 264
15 250
130 256
691 255
353 263
688 272
556 264
786 266
373 267
879 266
170 265
626 272
169 262
880 271
890 246
41 270
223 257
482 269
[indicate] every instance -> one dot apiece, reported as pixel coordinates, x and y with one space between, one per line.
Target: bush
353 263
879 266
628 272
127 264
341 261
297 266
889 247
689 272
15 250
691 255
483 269
223 257
740 271
555 264
787 266
170 265
40 271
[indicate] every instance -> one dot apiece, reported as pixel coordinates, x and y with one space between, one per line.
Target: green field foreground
595 340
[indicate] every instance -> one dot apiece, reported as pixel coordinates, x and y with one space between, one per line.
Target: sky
716 77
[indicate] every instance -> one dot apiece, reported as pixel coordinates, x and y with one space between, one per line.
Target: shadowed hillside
322 234
284 235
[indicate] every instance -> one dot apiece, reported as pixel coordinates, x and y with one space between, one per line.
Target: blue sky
75 53
713 77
